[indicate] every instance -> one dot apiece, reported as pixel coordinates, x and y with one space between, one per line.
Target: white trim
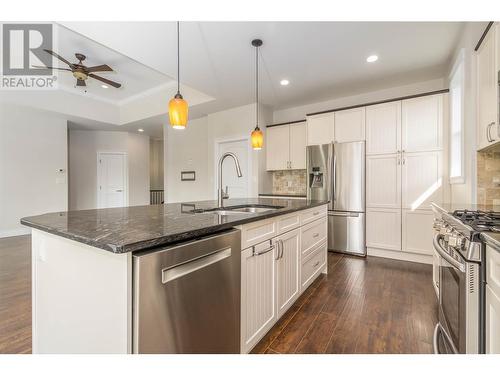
399 255
459 63
15 232
217 143
125 177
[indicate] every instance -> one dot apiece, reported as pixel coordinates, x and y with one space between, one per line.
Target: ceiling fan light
257 139
178 112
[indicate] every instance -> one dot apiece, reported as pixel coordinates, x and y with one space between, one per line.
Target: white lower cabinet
275 271
383 228
492 322
258 293
417 231
287 270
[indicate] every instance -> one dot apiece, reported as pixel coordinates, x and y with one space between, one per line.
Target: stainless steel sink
237 210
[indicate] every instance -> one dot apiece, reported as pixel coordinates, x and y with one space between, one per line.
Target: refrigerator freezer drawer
346 232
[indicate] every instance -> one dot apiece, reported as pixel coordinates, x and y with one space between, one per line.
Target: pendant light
178 107
257 136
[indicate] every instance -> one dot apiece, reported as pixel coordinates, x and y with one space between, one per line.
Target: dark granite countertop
283 195
126 229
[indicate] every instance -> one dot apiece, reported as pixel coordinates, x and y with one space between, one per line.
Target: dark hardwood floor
371 305
15 294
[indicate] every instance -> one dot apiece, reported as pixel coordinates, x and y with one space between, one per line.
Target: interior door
298 142
422 124
237 186
422 180
112 180
383 181
287 270
277 149
383 128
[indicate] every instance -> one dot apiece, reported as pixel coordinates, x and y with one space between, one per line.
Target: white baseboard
14 232
400 255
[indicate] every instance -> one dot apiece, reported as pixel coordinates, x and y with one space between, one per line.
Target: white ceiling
136 78
321 59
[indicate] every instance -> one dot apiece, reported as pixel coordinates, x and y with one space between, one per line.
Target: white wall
194 149
156 169
33 147
466 192
299 113
83 148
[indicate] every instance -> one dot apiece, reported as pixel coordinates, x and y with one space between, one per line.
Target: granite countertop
491 239
284 195
451 207
125 229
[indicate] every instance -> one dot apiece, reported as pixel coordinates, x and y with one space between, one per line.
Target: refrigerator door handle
332 179
344 214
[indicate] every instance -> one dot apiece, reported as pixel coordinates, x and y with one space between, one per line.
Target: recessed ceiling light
140 130
372 58
104 86
284 82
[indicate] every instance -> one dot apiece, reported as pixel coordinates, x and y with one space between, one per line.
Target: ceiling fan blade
59 57
80 82
99 68
107 81
49 67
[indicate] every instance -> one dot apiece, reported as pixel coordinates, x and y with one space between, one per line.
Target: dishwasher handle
172 273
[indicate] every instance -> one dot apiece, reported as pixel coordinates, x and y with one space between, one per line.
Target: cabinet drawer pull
316 264
315 235
257 253
315 213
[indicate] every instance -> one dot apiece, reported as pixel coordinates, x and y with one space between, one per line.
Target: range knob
452 239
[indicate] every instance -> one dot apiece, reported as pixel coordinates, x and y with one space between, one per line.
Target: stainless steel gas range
461 278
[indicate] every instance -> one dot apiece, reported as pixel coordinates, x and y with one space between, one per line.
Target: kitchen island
83 269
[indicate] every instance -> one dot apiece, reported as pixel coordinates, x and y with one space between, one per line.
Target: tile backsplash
289 182
488 177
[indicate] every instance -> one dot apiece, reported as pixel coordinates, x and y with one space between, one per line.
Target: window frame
458 67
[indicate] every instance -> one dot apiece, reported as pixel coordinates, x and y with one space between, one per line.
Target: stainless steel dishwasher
186 297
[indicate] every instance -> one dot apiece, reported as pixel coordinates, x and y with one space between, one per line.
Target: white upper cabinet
383 128
422 179
298 142
422 124
320 128
383 181
277 148
487 87
350 125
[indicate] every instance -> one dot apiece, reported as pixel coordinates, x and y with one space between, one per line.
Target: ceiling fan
82 72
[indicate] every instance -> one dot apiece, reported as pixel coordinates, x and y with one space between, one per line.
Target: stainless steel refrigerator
336 172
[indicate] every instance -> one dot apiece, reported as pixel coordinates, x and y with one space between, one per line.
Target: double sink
238 210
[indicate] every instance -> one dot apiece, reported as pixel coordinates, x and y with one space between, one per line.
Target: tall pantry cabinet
404 174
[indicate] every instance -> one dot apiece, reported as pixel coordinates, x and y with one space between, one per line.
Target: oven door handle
455 263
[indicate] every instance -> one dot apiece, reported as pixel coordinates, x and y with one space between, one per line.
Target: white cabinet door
320 128
383 181
422 124
277 148
487 84
422 179
383 228
287 270
258 295
417 231
492 322
350 125
298 142
383 128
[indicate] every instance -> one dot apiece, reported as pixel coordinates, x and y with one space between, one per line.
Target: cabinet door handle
282 248
488 131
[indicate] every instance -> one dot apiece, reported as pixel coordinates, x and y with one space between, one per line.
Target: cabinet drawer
311 235
313 265
312 214
258 231
288 222
493 269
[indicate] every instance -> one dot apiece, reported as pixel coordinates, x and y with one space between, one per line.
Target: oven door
450 332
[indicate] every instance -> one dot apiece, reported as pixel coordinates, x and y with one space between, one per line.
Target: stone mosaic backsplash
289 182
488 177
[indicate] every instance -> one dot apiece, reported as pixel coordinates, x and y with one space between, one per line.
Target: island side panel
82 297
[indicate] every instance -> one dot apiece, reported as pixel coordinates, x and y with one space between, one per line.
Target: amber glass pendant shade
257 139
178 112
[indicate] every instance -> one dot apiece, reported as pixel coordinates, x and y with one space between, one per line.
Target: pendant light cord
257 85
178 61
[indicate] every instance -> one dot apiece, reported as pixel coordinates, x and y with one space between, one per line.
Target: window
457 121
